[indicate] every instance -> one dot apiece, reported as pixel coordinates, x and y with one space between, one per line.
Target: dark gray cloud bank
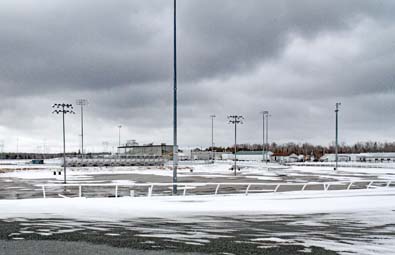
293 58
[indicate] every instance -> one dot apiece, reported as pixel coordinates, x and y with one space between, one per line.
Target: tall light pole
63 109
235 119
82 103
212 136
119 139
337 135
267 115
175 146
264 113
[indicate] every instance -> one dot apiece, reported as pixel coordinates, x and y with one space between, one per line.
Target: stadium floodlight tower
212 137
235 119
82 103
63 109
337 136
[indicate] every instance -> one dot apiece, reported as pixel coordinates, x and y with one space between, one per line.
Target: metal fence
163 189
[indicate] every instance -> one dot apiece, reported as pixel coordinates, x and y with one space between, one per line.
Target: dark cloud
294 58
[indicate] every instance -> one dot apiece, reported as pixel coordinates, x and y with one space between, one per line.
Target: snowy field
294 222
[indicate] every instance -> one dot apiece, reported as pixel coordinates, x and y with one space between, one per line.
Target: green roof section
249 153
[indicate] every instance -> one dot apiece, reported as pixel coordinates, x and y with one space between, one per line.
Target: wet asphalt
207 235
145 236
17 188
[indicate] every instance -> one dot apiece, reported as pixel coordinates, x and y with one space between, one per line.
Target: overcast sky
295 59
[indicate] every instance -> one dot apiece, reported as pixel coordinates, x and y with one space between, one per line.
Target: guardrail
244 188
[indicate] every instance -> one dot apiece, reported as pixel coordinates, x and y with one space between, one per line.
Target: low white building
286 158
376 157
247 155
360 157
341 158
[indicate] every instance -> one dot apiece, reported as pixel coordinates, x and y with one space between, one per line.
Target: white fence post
326 186
80 191
277 187
116 190
216 190
43 188
248 188
388 184
150 190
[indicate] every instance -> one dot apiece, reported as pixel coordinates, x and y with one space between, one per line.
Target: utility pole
175 145
212 137
82 103
64 109
337 135
235 119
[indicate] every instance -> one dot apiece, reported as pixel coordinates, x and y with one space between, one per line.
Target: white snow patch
111 209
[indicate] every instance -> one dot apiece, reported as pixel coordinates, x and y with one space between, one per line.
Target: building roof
144 146
280 154
252 152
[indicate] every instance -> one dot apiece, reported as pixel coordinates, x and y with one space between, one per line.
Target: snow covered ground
348 222
358 222
221 169
175 207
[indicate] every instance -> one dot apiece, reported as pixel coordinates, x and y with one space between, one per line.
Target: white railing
244 187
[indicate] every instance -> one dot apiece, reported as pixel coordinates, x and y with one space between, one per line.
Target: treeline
316 150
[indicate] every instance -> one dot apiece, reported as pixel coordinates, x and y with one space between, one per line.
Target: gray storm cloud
293 58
